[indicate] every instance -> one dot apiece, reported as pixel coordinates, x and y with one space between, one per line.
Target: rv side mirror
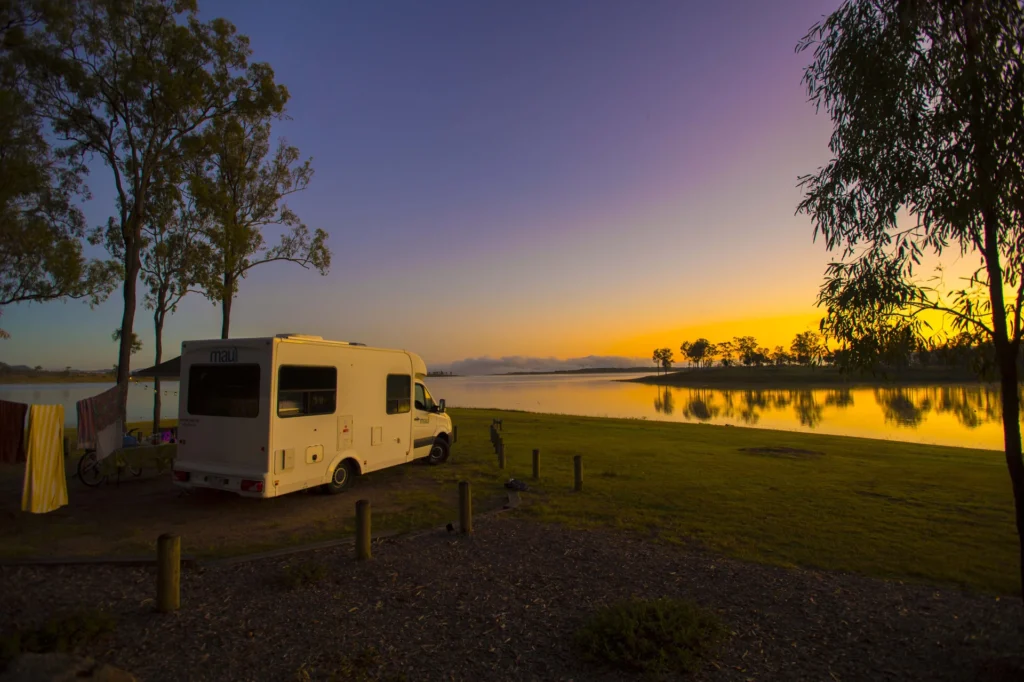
440 406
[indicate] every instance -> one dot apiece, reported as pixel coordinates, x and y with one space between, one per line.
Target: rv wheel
342 477
438 452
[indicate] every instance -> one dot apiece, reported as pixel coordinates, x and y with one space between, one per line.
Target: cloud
520 363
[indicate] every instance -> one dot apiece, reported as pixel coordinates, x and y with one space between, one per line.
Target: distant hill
23 374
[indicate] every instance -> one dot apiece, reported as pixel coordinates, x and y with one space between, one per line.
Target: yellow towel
46 486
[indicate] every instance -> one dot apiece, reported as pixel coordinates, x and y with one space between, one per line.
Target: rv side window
306 390
399 390
224 391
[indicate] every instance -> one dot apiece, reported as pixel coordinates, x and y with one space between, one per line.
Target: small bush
62 634
295 576
655 637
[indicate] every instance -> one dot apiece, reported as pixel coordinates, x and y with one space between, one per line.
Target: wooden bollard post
362 530
536 464
501 454
465 508
168 573
577 467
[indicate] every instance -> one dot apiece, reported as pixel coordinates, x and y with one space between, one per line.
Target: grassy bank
896 510
804 377
888 509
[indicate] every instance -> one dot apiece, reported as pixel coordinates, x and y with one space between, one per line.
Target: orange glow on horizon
771 331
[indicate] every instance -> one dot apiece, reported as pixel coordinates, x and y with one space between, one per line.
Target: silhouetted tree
664 358
700 352
130 83
241 191
926 100
807 348
42 229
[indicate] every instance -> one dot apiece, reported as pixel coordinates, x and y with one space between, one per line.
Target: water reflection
664 403
967 414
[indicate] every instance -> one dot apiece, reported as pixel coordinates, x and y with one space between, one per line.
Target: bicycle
91 470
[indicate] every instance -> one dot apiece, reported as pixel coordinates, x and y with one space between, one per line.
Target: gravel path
503 604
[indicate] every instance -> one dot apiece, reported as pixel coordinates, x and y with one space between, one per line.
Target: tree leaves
927 124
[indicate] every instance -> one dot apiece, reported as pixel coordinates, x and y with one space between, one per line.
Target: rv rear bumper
246 485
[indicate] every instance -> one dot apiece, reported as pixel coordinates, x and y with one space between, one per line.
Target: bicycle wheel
89 469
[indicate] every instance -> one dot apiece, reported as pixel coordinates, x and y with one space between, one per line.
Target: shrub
63 634
295 576
655 637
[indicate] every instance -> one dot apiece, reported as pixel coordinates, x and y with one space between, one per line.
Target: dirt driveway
126 519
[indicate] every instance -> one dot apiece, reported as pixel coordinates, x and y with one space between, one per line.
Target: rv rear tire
438 452
341 478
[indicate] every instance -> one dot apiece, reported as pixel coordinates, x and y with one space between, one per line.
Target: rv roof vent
300 336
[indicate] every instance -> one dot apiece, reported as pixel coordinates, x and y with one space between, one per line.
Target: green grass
654 637
808 377
889 509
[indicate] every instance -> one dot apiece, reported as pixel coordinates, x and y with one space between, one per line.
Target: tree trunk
227 295
124 356
986 172
158 324
1006 360
225 310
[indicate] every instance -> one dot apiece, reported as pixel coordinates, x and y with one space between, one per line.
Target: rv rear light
180 475
252 486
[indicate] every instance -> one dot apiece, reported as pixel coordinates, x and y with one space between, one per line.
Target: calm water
966 415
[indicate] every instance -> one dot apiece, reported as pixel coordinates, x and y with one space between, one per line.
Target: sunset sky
528 179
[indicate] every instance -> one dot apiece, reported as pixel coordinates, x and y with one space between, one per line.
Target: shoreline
780 378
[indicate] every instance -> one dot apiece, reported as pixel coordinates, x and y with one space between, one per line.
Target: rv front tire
341 478
438 452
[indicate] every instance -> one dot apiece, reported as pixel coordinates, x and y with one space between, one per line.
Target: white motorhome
266 417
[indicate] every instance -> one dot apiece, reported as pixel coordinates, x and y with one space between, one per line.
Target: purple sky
519 179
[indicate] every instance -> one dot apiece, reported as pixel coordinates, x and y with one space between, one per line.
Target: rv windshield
224 391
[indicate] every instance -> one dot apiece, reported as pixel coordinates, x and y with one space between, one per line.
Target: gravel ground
503 604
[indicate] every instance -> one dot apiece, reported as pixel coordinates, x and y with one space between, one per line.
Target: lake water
966 415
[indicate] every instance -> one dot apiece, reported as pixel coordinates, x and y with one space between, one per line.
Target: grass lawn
881 508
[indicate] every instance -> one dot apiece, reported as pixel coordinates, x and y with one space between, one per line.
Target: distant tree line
809 349
180 118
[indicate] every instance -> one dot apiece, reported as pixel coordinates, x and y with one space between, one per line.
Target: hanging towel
109 439
46 486
95 414
12 432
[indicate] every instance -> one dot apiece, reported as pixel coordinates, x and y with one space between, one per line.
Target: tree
684 348
171 264
663 358
241 192
807 348
747 350
700 352
131 81
136 343
726 349
926 102
779 356
41 240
